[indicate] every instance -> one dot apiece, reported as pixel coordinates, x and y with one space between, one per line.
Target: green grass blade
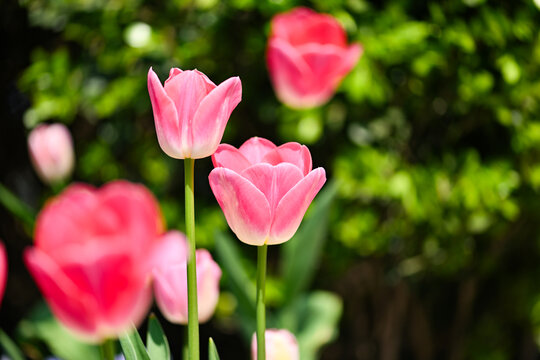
133 346
156 341
212 350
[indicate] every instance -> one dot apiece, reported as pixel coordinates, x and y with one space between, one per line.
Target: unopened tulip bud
280 345
51 151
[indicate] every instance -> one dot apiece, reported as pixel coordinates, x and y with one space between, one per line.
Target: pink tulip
51 151
92 256
280 345
264 190
170 280
3 270
191 112
308 56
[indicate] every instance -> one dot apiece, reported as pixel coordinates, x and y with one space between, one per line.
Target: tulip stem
107 350
261 298
193 313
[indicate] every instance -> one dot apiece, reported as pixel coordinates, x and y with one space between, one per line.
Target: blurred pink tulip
280 345
3 270
51 151
91 256
170 280
264 190
308 56
191 112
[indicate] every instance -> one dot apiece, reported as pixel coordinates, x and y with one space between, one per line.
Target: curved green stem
260 303
193 313
107 350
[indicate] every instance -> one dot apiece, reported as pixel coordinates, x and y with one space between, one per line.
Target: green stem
193 313
261 298
18 208
107 349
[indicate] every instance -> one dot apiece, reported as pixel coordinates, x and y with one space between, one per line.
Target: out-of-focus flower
92 257
308 56
3 270
51 151
280 345
264 190
170 280
191 112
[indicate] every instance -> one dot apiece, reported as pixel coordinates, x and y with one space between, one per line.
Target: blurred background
425 243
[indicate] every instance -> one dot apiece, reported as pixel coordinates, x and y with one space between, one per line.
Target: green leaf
41 324
133 346
156 341
239 282
212 350
231 260
10 349
301 254
314 319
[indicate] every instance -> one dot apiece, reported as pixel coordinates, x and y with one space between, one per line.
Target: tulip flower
51 152
308 56
170 280
280 345
191 112
3 270
92 257
264 190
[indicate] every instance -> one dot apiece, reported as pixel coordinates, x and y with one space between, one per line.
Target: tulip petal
255 148
293 206
170 288
168 129
3 270
67 303
303 25
187 90
273 181
291 76
229 157
117 286
245 207
208 276
292 153
172 249
212 115
350 58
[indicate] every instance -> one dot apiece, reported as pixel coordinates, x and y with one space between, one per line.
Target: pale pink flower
191 112
170 280
51 152
264 190
280 345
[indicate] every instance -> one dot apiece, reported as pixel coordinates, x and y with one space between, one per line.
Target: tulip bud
191 112
170 280
308 56
3 270
51 151
280 345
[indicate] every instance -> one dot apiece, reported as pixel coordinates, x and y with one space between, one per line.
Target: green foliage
156 341
40 324
212 350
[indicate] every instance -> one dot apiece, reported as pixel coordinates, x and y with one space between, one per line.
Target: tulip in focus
280 345
3 270
308 56
91 256
170 280
191 112
51 151
264 190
